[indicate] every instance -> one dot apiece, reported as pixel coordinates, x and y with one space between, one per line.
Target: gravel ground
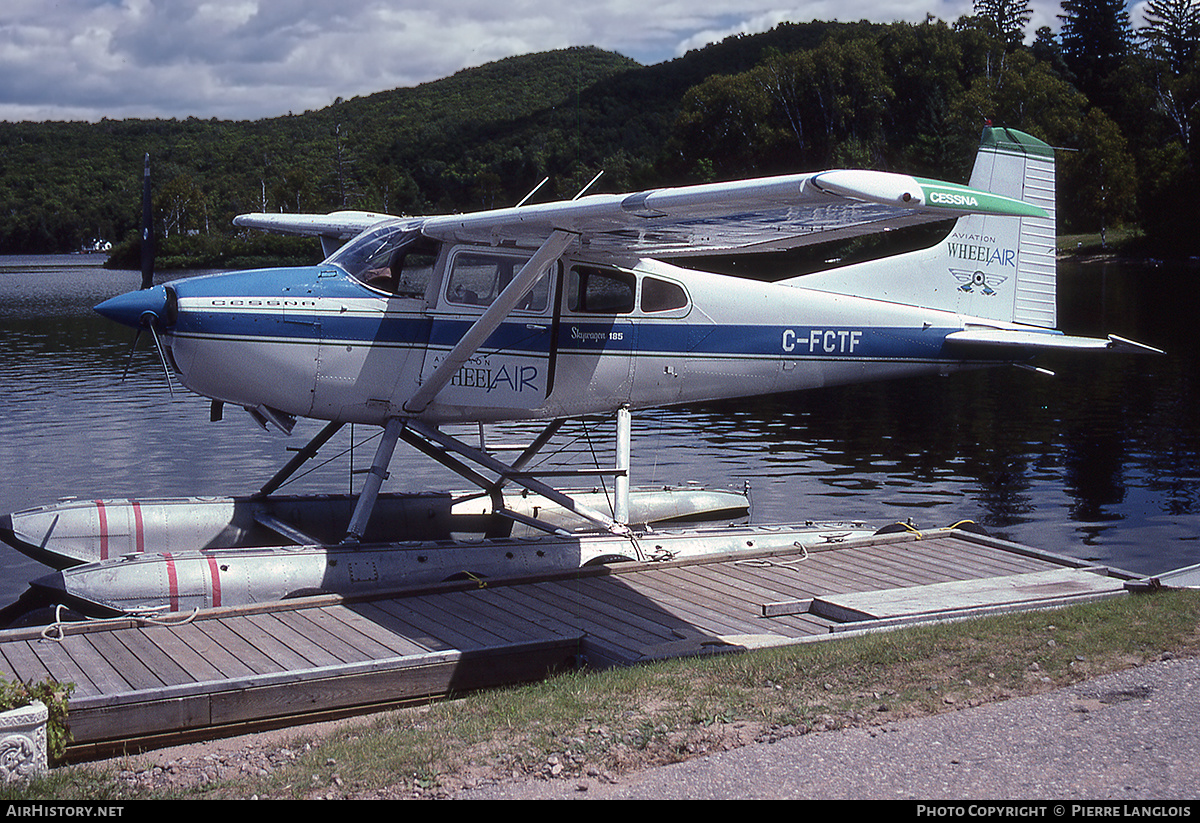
1126 736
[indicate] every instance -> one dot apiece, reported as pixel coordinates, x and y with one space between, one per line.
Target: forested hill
803 96
483 136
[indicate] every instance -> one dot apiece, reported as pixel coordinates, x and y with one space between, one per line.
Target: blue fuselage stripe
575 335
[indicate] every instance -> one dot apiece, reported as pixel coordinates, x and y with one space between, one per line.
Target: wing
763 214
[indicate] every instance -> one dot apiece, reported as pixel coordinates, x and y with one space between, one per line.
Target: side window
662 295
477 277
600 291
411 270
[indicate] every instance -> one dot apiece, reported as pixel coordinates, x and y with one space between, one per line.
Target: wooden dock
211 672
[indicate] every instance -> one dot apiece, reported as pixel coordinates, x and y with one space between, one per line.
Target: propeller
139 309
147 229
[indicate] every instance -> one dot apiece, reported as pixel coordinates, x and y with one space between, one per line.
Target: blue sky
249 59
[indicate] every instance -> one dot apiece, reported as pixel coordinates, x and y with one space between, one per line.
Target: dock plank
621 635
439 623
101 672
780 576
965 594
24 663
222 662
688 606
249 653
171 644
377 611
375 633
136 673
339 638
164 667
62 667
292 649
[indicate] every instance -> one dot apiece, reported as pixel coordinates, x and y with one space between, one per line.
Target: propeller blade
129 362
147 229
162 358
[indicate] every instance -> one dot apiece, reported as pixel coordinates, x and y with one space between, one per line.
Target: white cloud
248 59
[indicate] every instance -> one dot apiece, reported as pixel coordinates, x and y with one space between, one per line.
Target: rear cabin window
600 291
662 295
476 278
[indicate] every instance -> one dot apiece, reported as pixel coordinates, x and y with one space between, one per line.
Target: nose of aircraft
130 308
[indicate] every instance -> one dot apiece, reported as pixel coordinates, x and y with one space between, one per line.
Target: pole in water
621 504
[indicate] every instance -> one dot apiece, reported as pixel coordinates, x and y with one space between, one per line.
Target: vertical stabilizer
996 268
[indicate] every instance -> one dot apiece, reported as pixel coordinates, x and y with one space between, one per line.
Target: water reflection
1099 462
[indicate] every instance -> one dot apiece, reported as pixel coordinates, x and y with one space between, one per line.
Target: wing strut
490 320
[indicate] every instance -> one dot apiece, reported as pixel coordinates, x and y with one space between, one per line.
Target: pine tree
1095 38
1173 31
1009 17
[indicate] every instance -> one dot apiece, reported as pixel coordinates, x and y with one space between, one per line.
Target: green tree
1172 31
1095 38
1100 178
1006 18
804 109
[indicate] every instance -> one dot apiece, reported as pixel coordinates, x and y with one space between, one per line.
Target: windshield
393 258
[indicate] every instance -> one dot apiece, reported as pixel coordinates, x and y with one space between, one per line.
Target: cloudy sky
249 59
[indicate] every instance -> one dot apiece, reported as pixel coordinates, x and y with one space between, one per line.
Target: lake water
1100 462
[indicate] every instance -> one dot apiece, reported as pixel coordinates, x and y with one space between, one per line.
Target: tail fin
996 268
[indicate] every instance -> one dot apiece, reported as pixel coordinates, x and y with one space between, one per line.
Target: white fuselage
318 343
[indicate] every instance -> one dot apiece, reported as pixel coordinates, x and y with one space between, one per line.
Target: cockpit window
391 258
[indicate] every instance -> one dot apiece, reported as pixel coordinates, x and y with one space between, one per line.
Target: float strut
305 454
375 477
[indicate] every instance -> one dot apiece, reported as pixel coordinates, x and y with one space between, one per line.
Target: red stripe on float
137 526
103 529
215 573
172 581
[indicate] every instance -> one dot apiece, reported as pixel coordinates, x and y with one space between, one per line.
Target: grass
1113 242
608 722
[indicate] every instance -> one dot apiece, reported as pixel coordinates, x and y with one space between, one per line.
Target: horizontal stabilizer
1032 341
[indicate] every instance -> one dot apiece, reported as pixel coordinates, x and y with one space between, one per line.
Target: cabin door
511 369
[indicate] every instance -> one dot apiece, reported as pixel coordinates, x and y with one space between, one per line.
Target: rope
768 563
54 631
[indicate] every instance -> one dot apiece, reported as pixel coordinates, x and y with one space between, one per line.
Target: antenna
532 192
589 185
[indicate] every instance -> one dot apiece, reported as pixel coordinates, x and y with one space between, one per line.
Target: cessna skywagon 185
556 310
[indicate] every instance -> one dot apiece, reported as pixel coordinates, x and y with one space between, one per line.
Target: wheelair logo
977 281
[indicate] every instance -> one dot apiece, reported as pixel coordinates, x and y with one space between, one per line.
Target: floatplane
548 312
